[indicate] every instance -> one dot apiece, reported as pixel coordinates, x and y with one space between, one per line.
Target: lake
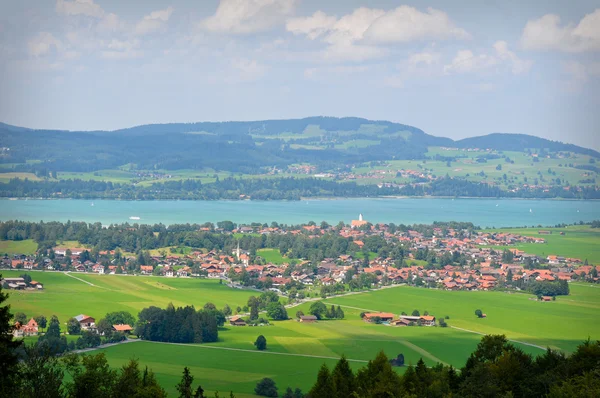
482 212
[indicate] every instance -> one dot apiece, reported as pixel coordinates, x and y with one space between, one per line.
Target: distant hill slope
520 142
243 146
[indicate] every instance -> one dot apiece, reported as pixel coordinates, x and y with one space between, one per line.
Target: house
427 320
384 316
122 328
546 298
86 322
400 322
29 329
237 320
80 268
14 283
98 268
308 318
184 272
146 269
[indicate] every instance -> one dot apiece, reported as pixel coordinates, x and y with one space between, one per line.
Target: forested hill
518 142
246 147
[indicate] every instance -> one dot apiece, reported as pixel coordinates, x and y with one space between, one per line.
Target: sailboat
92 204
531 211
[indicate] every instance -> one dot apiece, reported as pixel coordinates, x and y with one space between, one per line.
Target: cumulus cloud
246 70
466 61
426 58
43 43
248 16
153 22
547 33
366 29
79 7
402 24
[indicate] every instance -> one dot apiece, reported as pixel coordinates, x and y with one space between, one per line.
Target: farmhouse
427 320
29 329
308 318
14 283
237 321
86 322
146 269
122 328
384 316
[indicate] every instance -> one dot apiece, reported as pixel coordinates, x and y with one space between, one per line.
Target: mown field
28 246
578 241
296 350
67 296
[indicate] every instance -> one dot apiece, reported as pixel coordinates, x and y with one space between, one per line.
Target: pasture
272 256
578 241
95 295
296 350
27 246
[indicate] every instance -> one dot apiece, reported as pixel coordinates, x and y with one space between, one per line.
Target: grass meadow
296 350
579 241
28 246
66 296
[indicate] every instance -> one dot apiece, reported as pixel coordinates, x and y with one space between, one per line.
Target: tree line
285 188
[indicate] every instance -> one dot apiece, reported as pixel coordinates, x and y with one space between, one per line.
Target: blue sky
455 69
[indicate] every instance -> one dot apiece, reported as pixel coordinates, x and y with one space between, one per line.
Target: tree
120 318
339 314
343 378
226 310
299 314
41 375
254 304
8 357
21 318
416 313
104 327
209 307
323 387
261 343
73 326
266 388
277 311
318 309
184 387
91 376
41 321
479 313
133 383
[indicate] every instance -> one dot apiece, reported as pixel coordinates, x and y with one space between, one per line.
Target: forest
287 188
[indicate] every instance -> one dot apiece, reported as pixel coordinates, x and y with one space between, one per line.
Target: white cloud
246 70
466 61
248 16
405 24
579 74
313 26
42 44
365 29
121 49
79 7
154 21
546 33
427 58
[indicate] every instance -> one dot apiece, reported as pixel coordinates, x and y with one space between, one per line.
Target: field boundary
84 281
256 351
513 341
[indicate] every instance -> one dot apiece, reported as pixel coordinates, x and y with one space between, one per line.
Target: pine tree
323 388
185 385
343 378
339 313
8 358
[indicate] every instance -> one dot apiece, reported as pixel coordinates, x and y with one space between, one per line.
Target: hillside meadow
296 350
67 296
578 241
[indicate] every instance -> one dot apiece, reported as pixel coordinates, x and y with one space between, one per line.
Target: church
360 222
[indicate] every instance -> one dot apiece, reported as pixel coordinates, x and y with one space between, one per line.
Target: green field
272 256
66 296
28 246
580 242
6 177
296 350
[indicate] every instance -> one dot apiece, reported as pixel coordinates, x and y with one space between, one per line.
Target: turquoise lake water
481 212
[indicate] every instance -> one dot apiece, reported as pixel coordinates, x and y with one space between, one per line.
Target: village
445 258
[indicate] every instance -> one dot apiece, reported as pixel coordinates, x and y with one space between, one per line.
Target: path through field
514 341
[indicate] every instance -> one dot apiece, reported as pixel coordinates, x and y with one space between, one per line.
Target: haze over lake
481 212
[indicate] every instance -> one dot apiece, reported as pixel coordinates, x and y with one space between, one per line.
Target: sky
455 69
